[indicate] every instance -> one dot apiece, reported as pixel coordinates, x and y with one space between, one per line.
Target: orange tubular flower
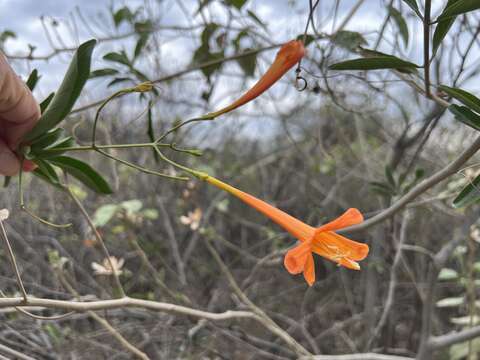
322 240
289 54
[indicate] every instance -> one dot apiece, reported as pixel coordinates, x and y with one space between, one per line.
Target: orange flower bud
288 55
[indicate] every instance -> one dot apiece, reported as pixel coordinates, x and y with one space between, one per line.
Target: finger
18 107
9 163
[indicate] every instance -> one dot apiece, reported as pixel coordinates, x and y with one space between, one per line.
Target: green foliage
465 115
374 63
236 3
469 195
463 96
442 29
32 80
68 92
103 72
400 22
458 8
451 302
414 6
349 40
44 104
447 274
82 172
118 57
121 15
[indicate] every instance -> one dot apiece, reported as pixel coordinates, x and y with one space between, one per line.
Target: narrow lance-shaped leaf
150 129
414 6
44 104
32 79
401 23
47 172
469 195
374 63
68 92
463 96
465 115
46 139
442 29
83 172
103 72
458 8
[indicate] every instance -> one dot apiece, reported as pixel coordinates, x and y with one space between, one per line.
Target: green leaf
83 172
458 8
447 274
68 92
248 63
47 171
374 63
465 115
7 34
202 55
237 3
469 195
257 19
46 139
143 27
414 6
104 214
44 104
401 23
119 80
451 302
442 29
103 72
142 41
349 40
47 152
132 206
463 96
123 14
120 58
32 79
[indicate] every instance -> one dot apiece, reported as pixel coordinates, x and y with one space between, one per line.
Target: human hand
18 114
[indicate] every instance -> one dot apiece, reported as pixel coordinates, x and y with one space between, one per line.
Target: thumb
18 109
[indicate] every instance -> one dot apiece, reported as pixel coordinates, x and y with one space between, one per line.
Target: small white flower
106 269
193 219
4 213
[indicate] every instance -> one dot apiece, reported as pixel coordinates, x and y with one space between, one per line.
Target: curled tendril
300 82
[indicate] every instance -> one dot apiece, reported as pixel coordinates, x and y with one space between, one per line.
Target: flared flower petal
296 258
309 270
289 54
350 217
339 249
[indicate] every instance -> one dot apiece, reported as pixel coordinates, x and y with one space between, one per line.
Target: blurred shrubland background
356 139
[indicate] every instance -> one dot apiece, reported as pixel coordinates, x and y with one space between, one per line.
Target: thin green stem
141 168
122 146
29 212
198 174
100 108
183 123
